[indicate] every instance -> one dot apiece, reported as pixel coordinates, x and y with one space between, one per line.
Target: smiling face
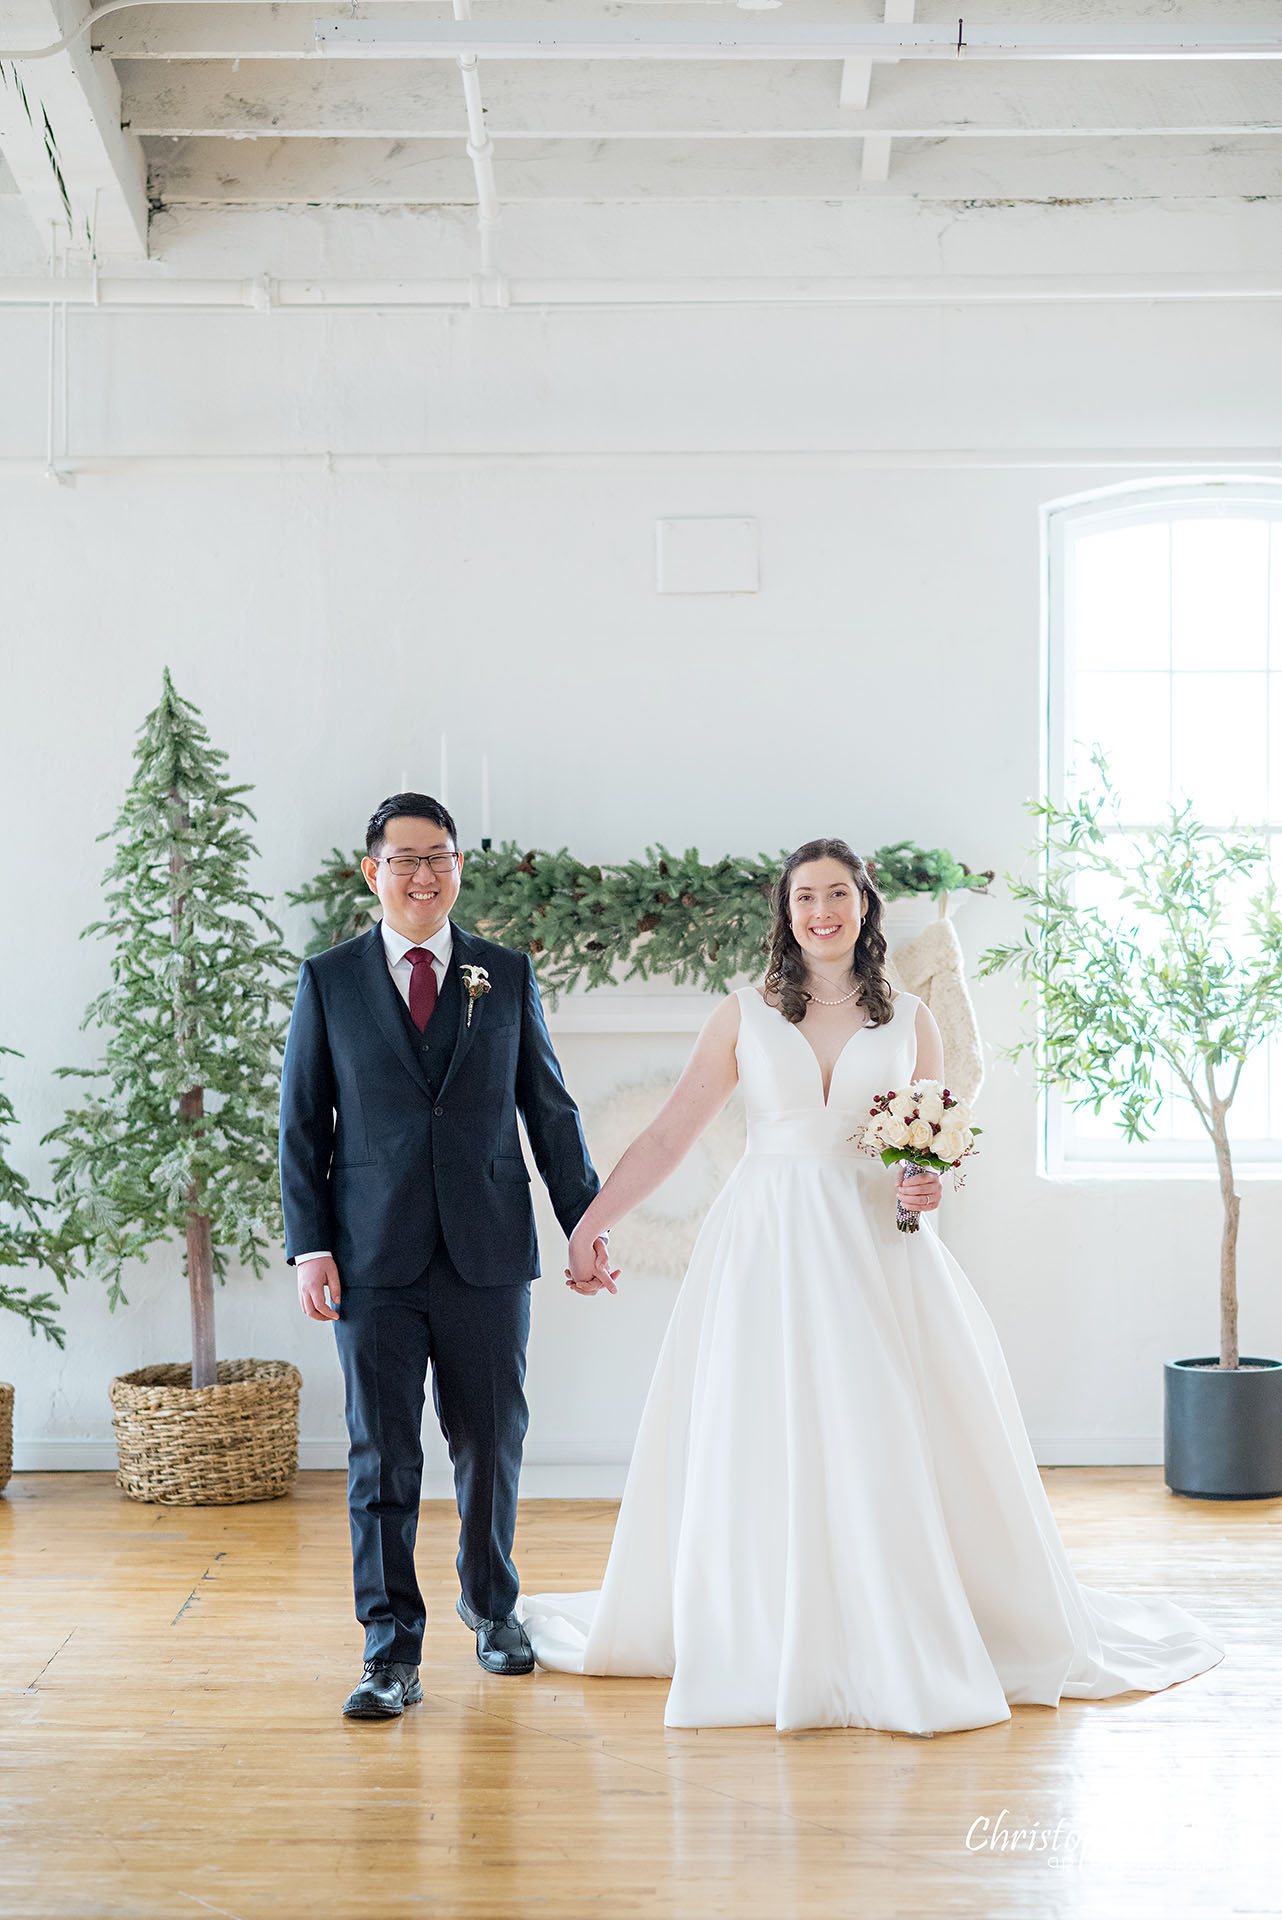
416 905
825 910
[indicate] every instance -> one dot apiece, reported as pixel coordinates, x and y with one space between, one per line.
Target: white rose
930 1106
894 1131
967 1139
950 1146
921 1136
902 1105
959 1114
929 1086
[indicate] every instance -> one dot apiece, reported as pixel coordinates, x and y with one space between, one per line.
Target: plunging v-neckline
795 1025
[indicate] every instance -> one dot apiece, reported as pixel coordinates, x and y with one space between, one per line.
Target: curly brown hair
786 972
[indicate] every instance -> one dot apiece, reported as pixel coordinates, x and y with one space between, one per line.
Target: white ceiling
167 123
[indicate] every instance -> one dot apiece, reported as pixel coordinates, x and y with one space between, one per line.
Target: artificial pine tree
25 1241
183 1138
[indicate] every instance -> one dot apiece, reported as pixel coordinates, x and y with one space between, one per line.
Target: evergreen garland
25 1241
183 1137
667 914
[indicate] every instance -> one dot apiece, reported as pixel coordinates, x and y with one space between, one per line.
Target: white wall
330 620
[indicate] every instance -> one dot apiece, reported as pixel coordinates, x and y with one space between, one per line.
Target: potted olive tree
1157 955
25 1241
179 1141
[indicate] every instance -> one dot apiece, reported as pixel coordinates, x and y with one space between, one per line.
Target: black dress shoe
384 1689
502 1646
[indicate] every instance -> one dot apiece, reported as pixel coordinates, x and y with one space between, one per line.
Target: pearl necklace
817 1002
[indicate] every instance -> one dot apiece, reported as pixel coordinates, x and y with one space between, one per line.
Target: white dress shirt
396 946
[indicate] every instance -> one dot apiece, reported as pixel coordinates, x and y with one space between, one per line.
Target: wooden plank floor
171 1744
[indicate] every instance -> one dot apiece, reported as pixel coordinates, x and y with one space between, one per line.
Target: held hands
922 1193
589 1268
314 1276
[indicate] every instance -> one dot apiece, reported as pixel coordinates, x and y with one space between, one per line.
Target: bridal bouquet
923 1126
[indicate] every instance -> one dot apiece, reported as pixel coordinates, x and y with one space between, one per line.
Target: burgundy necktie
422 986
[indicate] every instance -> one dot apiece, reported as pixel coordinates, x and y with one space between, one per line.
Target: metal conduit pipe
480 151
105 292
1241 467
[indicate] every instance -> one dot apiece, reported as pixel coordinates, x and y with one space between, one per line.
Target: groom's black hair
407 806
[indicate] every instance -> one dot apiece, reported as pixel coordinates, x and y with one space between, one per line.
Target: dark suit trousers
474 1340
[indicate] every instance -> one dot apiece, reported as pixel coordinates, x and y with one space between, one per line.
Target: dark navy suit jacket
384 1153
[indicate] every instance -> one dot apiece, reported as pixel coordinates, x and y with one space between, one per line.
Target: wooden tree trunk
200 1281
1228 1240
191 1106
200 1268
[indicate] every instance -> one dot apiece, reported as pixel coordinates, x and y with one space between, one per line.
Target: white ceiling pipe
480 151
124 293
592 40
1200 464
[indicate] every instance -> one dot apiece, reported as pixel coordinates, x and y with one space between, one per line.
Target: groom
411 1051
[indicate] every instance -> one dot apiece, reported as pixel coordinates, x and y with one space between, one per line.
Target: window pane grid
1170 630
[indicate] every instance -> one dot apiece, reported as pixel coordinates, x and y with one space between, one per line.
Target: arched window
1165 647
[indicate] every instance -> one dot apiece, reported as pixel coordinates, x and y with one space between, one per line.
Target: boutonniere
477 981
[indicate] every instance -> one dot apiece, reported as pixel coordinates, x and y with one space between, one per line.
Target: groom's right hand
314 1276
588 1271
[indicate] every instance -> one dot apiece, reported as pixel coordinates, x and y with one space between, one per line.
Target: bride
833 1516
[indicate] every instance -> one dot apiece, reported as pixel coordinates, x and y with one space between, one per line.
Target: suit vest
435 1045
435 1049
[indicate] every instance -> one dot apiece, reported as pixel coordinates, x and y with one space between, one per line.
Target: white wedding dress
833 1516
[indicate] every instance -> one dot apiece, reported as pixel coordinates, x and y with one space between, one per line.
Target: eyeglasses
411 862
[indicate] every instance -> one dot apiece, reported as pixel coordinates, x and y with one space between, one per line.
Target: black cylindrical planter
1224 1429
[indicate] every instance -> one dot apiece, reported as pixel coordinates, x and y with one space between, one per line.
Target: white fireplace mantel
643 1007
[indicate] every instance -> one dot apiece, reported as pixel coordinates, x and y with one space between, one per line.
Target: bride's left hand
922 1193
589 1269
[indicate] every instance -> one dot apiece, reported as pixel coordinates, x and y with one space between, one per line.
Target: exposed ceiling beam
876 153
278 172
874 163
393 101
287 28
856 83
873 230
77 171
621 40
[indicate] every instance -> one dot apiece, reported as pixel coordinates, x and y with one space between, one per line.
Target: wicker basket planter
222 1446
6 1434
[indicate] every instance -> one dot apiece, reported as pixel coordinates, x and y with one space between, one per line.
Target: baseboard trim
1098 1450
566 1472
